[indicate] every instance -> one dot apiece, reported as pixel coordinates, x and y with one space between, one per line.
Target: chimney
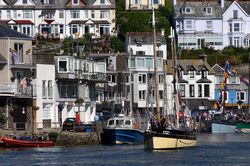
174 2
203 57
222 3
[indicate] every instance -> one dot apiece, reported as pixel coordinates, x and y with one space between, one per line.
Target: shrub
53 136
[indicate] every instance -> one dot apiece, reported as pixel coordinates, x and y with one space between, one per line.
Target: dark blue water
212 149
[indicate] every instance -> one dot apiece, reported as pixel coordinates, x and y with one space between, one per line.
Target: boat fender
135 125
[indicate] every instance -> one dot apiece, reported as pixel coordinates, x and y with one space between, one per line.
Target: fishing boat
243 127
223 126
122 130
12 142
160 138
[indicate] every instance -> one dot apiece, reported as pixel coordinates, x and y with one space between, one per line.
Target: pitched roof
8 32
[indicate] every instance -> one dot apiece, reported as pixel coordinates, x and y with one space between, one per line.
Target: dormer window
188 10
75 2
102 2
179 73
25 1
191 73
48 2
203 74
208 10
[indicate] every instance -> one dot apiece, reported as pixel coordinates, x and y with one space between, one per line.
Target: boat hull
223 127
9 142
243 128
169 140
122 136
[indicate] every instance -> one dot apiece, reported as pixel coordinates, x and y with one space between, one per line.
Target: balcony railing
90 76
16 89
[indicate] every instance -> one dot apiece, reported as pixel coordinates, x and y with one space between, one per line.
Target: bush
53 136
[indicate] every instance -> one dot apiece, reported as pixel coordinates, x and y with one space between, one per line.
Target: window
104 14
74 14
199 90
44 89
208 10
86 14
220 79
63 67
14 14
140 62
102 2
140 52
26 29
136 2
159 62
235 14
236 27
188 24
25 1
161 94
209 25
179 73
191 90
236 41
50 89
68 89
230 27
132 62
46 110
142 94
74 28
149 62
61 29
240 95
191 73
182 90
203 74
111 78
142 78
159 53
47 2
161 78
104 29
75 2
206 90
92 14
188 10
233 80
156 2
8 14
61 15
27 14
19 50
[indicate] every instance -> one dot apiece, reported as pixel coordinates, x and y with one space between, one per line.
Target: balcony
19 90
90 76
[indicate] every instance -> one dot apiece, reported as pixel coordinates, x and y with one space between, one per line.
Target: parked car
70 125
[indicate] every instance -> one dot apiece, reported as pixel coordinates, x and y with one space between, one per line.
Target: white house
59 18
214 24
141 66
236 23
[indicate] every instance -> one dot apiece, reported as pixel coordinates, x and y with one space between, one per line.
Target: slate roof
61 4
144 37
185 64
7 32
199 8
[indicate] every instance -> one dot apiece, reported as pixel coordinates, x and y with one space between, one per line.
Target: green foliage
235 56
53 136
3 118
117 44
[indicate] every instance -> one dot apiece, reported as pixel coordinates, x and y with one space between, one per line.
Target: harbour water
212 149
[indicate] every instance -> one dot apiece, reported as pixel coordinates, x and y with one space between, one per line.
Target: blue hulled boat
122 130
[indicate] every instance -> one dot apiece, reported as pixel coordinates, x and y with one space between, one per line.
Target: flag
225 88
227 70
217 105
234 71
222 85
243 80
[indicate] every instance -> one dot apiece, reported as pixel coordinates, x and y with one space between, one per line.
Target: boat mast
174 62
155 67
130 80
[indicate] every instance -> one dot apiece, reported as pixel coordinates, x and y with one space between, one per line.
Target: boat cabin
121 122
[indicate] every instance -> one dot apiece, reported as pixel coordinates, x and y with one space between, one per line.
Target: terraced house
59 18
215 24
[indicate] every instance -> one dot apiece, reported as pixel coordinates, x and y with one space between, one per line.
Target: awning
199 104
22 22
78 22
